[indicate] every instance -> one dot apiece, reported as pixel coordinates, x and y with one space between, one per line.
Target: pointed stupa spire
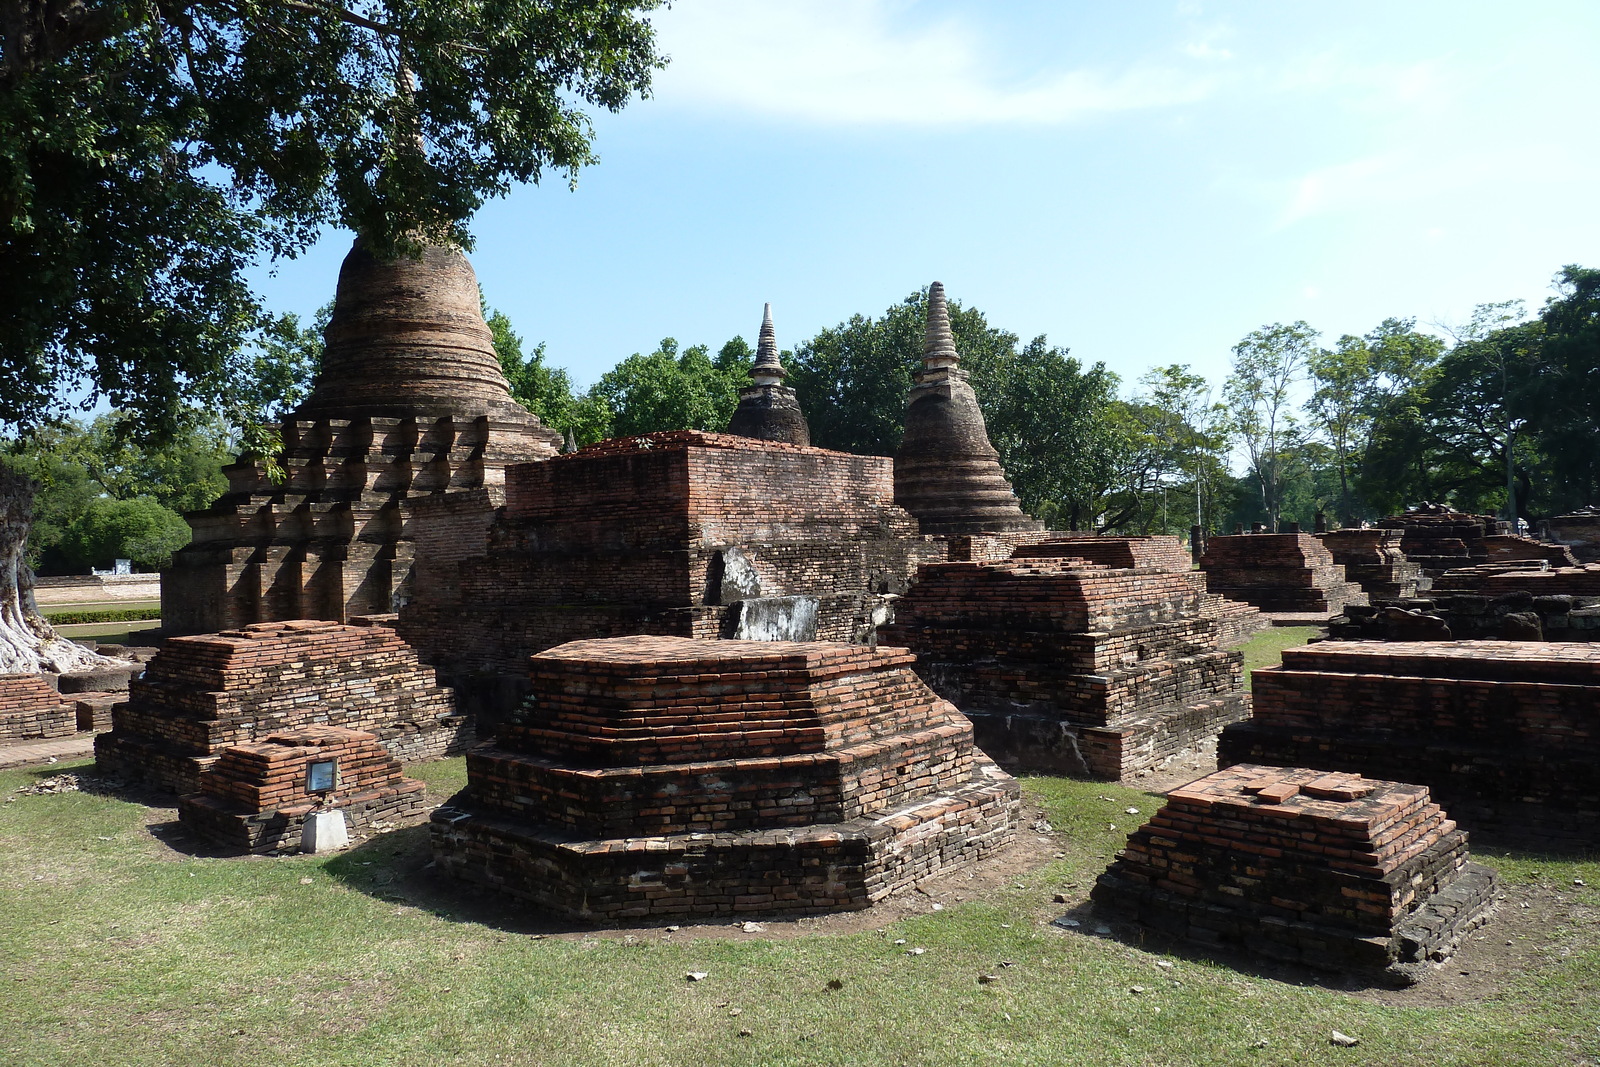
947 473
570 445
768 410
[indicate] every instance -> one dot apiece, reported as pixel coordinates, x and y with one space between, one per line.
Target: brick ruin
1503 733
255 797
410 401
1327 870
1236 620
1579 532
653 776
202 694
32 710
1527 600
1068 667
1374 560
1438 539
768 410
684 534
1285 572
946 472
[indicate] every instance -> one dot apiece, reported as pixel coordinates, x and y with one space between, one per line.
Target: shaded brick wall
31 709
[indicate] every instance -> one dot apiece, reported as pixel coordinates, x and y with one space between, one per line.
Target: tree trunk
28 643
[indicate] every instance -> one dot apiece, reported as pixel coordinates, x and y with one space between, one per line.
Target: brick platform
1579 532
1374 560
409 401
31 710
1065 667
202 694
1438 539
653 776
1526 600
1288 572
684 534
1505 734
256 796
1328 870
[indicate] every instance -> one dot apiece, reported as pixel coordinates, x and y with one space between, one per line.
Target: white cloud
881 62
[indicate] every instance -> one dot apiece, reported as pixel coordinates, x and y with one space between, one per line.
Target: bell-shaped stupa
947 473
409 400
768 410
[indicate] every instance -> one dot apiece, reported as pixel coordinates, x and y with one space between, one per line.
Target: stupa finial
766 363
767 408
938 343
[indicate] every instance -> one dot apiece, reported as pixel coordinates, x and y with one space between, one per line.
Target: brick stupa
256 796
1068 667
1505 733
946 472
1284 572
768 410
1374 560
1332 871
201 694
651 776
410 400
684 533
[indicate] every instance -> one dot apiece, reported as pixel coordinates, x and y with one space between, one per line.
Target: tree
1267 364
1184 431
27 642
1566 391
670 391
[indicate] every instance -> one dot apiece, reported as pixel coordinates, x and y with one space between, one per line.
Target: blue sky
1142 182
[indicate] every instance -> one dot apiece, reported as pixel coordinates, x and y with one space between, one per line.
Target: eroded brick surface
31 709
201 694
1326 869
658 775
1288 572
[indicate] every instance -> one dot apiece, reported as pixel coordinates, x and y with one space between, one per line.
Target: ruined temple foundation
1503 733
409 401
32 710
1287 572
1579 533
257 795
684 534
1528 600
1374 560
652 776
1438 539
1066 667
202 694
1328 870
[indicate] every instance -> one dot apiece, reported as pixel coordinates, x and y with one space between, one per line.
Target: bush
70 618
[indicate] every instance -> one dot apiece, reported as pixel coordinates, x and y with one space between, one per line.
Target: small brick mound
655 776
1070 668
202 694
1328 870
31 710
1287 572
1505 733
256 796
1374 560
1579 532
1438 539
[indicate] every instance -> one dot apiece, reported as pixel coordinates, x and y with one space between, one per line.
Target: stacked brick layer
1520 601
1438 540
665 534
202 694
1288 572
1374 560
1579 532
1505 734
255 797
654 776
1328 870
31 709
1072 668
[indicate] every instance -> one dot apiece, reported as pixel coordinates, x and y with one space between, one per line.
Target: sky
1142 182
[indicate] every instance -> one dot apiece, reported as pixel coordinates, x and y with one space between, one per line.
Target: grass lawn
1265 649
119 948
109 633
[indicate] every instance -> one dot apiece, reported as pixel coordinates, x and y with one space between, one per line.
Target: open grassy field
121 943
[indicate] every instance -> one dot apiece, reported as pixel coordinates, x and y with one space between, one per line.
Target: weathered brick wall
1072 668
31 709
1516 601
201 694
1505 734
1374 560
255 796
1329 870
828 770
1288 572
638 535
1438 539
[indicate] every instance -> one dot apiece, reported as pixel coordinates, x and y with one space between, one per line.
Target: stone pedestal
654 776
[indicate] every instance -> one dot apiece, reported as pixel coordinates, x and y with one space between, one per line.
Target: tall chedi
410 400
768 410
947 473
